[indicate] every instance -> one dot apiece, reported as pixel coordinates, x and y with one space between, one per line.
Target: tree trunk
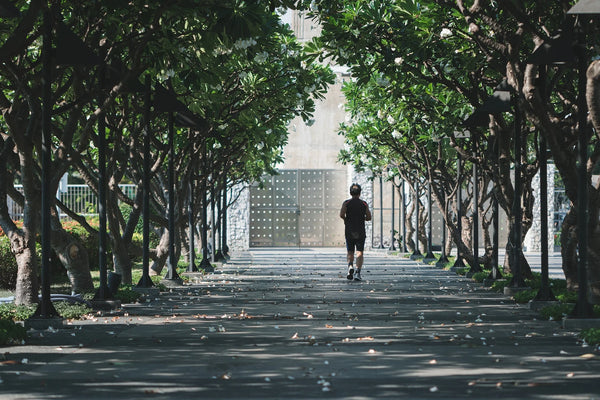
410 230
568 249
121 231
467 233
593 103
487 240
73 256
422 234
594 265
22 246
448 241
122 260
162 252
523 263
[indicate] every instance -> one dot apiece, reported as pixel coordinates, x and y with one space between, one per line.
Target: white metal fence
79 198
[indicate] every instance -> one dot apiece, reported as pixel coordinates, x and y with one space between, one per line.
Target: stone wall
533 238
238 219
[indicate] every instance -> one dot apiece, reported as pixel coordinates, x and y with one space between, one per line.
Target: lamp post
165 100
213 225
429 257
145 280
495 272
219 226
103 291
458 263
498 102
224 247
475 267
392 246
403 222
558 51
172 274
381 246
46 308
205 263
583 308
191 227
443 260
77 54
416 255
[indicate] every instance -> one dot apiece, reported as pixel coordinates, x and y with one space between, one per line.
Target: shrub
8 265
556 312
127 295
558 285
567 297
11 333
499 285
480 276
591 336
525 296
71 311
16 313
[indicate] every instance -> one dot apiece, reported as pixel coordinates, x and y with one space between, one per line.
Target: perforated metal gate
298 208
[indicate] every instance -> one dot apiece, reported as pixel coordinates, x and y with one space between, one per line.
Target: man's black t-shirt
355 218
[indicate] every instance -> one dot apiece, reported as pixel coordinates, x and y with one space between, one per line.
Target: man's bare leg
350 258
359 260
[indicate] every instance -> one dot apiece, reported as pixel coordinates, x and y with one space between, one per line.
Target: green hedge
11 333
8 265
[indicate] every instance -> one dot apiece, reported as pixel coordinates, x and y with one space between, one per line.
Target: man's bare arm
367 213
343 211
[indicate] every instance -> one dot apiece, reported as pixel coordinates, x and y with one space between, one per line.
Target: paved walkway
286 324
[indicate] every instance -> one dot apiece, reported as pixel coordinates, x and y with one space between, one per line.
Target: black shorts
352 243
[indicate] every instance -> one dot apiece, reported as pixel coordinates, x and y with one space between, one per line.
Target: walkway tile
286 324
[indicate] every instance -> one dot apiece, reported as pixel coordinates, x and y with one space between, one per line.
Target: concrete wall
317 146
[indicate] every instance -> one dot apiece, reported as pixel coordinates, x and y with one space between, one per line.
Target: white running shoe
357 276
350 273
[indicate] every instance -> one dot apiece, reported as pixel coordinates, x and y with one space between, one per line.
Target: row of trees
421 68
233 64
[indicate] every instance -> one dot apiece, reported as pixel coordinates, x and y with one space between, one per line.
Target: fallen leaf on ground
365 338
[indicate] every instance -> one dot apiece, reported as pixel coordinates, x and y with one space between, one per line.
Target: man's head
355 189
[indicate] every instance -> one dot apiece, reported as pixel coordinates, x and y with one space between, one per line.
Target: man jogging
355 212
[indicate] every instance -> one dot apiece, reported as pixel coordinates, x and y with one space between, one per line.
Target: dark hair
355 189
